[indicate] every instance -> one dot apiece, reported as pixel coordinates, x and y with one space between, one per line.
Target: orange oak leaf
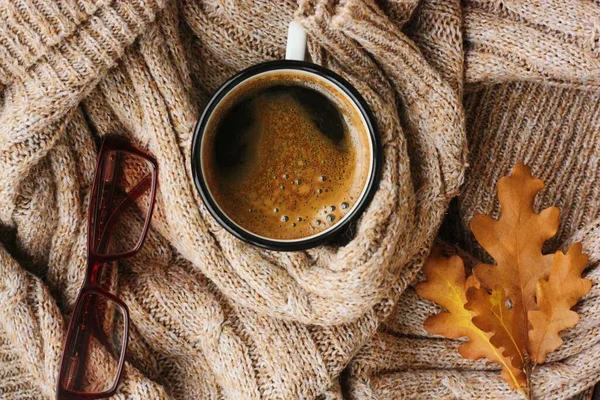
493 315
515 242
513 311
447 285
555 298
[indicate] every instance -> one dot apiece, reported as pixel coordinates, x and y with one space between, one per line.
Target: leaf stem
528 370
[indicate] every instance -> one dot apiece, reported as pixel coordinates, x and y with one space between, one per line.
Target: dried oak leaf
515 242
555 298
513 311
542 288
446 285
492 314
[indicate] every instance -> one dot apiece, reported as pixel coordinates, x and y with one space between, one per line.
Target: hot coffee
287 155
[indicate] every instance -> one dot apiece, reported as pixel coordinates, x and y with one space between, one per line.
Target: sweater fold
74 37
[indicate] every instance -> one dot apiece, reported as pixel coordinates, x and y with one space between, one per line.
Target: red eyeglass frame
96 260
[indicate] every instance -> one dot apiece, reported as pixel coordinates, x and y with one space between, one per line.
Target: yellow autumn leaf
493 315
555 298
447 285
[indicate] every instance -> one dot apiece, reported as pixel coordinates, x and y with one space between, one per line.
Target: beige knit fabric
212 317
402 354
552 123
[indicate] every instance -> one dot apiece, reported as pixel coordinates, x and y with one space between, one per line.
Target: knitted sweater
213 317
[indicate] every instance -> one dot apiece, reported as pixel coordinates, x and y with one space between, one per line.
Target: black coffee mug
294 61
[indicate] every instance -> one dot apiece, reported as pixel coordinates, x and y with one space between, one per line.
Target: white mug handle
296 42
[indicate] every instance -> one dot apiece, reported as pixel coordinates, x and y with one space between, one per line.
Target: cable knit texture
213 317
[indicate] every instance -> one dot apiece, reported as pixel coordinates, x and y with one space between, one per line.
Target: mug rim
244 234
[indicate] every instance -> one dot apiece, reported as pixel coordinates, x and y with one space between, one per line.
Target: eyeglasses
96 343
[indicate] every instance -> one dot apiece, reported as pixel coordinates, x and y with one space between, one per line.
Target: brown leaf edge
555 298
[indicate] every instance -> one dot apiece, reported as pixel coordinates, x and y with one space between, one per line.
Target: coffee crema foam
269 165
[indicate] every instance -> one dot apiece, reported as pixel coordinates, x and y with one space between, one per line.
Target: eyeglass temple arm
82 338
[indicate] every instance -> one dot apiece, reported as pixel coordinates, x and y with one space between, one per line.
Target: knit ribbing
522 40
41 29
504 121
